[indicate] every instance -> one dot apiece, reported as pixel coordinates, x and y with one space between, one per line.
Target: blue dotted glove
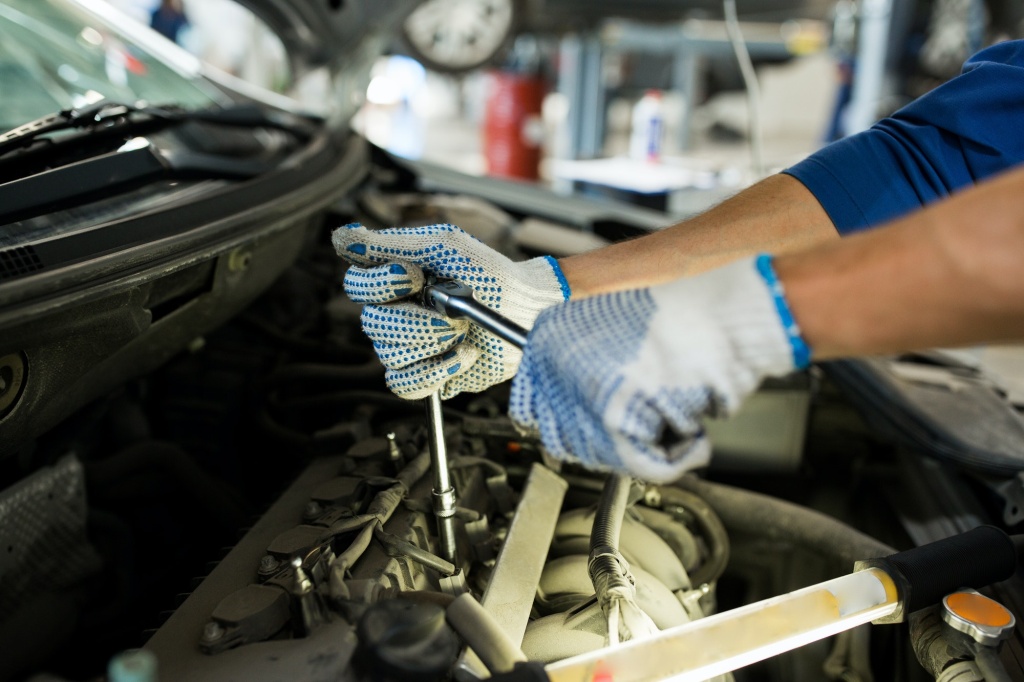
622 381
425 351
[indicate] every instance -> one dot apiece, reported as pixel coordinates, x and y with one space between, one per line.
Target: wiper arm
102 116
92 116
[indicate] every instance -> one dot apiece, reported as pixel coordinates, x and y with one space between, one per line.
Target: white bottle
647 135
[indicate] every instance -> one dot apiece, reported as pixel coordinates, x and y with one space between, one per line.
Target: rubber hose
606 531
463 461
990 665
710 528
611 510
928 641
484 636
417 554
382 506
770 518
441 599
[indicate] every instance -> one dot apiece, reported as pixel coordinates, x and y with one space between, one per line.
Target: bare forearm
778 215
948 275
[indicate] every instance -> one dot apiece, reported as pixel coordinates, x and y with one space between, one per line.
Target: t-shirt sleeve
966 130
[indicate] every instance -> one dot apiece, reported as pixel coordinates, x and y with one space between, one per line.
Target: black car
198 455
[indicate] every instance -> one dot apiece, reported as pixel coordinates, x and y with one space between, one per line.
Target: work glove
622 381
425 351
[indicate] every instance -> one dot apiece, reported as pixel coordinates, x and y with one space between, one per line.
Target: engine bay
279 423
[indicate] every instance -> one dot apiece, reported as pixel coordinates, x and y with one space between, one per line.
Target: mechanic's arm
623 380
961 133
948 275
424 351
776 215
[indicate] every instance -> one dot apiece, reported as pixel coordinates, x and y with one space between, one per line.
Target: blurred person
169 19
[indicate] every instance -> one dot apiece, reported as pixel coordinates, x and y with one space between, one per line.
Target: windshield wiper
94 163
114 117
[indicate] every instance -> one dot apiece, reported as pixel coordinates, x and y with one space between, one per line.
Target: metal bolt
393 450
303 584
239 260
268 563
212 631
652 497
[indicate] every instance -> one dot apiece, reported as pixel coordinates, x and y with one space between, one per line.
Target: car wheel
459 35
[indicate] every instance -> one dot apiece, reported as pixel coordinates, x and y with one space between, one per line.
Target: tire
456 36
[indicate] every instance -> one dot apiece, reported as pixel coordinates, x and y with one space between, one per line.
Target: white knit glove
623 380
425 351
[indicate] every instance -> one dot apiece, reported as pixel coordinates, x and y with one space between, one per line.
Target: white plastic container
648 128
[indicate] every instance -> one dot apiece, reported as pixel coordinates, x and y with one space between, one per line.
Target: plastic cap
982 619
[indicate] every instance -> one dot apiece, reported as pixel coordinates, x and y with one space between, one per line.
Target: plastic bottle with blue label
648 131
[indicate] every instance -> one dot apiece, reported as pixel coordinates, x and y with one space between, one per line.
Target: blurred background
662 103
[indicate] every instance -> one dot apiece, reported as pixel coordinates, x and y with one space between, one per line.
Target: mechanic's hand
422 350
623 380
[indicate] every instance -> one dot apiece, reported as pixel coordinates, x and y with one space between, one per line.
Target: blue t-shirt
964 131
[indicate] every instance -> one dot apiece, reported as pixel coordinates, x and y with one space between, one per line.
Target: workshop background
642 101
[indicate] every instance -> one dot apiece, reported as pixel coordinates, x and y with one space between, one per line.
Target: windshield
54 55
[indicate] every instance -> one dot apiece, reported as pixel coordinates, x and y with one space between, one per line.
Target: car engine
278 422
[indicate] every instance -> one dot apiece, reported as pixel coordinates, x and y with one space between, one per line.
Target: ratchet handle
926 574
455 299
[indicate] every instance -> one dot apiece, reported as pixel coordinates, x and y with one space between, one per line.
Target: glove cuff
543 284
801 351
736 320
563 283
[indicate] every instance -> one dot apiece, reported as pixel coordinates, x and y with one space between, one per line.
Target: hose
743 511
710 528
379 511
611 510
405 548
990 665
463 461
713 532
483 634
609 572
442 599
938 649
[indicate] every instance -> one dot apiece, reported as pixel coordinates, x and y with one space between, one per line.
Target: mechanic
621 375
